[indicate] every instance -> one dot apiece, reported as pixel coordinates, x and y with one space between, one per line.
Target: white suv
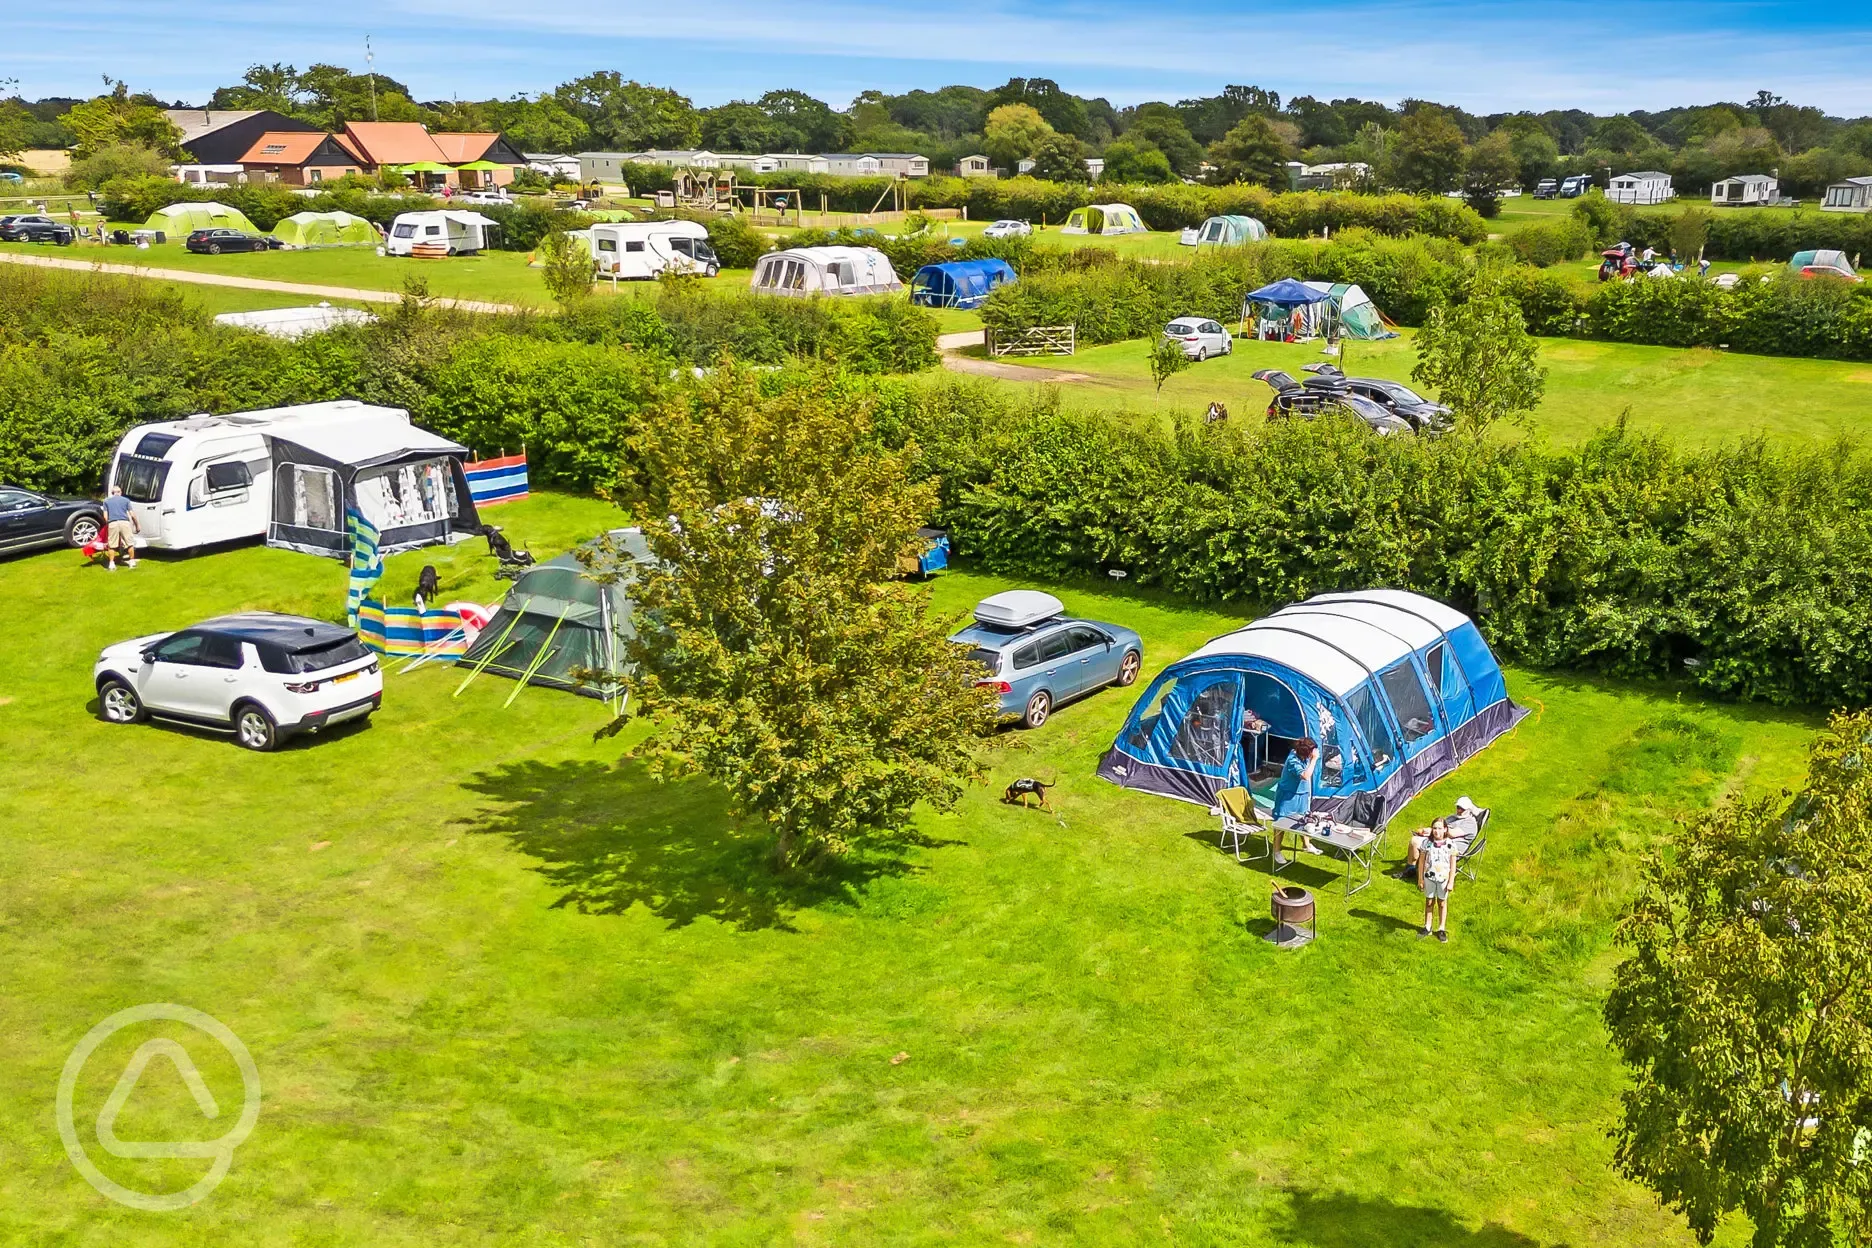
261 676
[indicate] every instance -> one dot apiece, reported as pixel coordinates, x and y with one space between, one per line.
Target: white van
208 479
639 249
454 231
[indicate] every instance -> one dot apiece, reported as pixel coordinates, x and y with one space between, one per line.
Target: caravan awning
369 440
462 216
1289 292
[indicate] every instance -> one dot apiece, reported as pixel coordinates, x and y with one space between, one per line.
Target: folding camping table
1359 846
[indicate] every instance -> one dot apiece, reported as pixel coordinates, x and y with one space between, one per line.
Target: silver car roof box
1018 608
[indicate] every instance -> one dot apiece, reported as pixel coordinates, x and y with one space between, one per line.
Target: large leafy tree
626 115
1212 116
1063 111
1158 125
1534 147
333 95
741 126
1135 164
1490 170
818 127
120 118
1428 154
1012 133
532 125
787 661
16 125
1745 1010
1060 158
1254 151
274 86
1480 358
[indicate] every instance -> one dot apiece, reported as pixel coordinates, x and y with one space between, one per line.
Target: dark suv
1320 397
34 228
29 519
1400 400
214 242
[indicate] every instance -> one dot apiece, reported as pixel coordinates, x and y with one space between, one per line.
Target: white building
974 167
1852 195
1645 187
553 165
792 162
1748 189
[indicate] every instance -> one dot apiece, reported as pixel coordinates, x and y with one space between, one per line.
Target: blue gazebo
958 283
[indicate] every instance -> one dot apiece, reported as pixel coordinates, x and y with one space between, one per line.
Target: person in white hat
1465 823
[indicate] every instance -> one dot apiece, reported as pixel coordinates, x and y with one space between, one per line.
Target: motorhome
1575 185
441 232
208 479
643 249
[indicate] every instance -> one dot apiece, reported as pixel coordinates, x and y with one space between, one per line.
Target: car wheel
1202 353
214 249
1128 670
118 702
1038 708
81 530
1228 348
711 271
254 728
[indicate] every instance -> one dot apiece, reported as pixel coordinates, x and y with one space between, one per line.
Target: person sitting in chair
1293 792
1464 824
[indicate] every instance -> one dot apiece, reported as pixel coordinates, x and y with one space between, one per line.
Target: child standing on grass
1436 875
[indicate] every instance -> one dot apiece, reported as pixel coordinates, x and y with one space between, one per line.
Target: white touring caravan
208 479
642 249
442 232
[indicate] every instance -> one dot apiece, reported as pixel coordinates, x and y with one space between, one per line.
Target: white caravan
208 479
640 249
444 231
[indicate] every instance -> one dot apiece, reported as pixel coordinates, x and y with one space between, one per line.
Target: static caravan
825 271
1748 190
1645 187
642 249
1852 195
442 232
209 479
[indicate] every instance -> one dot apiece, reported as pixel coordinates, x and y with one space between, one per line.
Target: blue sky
1482 56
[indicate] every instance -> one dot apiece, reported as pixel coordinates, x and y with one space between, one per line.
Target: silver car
1008 229
1200 337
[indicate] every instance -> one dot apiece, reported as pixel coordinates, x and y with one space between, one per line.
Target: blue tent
1398 689
959 283
1289 292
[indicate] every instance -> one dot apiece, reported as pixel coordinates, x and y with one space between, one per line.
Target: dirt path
978 367
248 283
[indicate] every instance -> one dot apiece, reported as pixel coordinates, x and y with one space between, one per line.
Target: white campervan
640 249
448 231
208 479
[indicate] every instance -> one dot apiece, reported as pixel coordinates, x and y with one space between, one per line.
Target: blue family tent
1289 292
958 283
1397 688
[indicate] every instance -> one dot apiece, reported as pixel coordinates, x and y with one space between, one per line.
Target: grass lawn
1696 396
501 988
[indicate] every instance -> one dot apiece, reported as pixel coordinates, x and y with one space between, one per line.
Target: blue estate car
1037 657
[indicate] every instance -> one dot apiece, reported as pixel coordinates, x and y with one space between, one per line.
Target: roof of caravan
1340 640
267 419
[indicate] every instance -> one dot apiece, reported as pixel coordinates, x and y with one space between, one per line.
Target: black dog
1024 788
511 560
426 587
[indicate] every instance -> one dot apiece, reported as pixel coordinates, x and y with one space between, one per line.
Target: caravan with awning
441 232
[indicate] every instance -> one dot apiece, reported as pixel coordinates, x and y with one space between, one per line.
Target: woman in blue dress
1293 793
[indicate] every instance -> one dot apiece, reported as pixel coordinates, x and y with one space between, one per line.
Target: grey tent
561 619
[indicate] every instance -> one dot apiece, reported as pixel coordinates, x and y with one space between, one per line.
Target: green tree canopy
1254 151
1060 158
1159 126
1428 155
1012 133
1135 164
1489 170
627 116
1744 1011
1480 358
788 662
120 118
818 128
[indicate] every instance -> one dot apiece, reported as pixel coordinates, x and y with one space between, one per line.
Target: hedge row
1167 207
83 358
1745 569
134 199
1116 299
1748 234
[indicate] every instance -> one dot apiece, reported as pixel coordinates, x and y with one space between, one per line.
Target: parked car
35 228
1291 399
1548 188
1037 657
29 519
1008 229
262 676
214 242
1424 416
1201 338
482 197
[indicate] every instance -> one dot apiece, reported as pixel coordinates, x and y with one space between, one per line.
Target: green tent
324 229
560 619
177 220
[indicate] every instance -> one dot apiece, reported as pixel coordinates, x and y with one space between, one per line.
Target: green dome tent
177 220
324 229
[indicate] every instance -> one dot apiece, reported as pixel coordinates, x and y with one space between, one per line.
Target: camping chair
1477 847
1240 818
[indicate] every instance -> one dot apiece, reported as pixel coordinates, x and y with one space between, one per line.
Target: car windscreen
141 479
317 658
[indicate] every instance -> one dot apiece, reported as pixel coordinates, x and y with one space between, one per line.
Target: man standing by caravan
121 518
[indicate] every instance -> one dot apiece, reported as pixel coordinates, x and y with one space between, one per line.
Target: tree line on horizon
1242 134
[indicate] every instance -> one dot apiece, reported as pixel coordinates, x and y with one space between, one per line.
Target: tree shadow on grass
611 838
1339 1220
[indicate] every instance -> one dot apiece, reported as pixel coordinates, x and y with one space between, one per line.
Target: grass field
1698 397
502 989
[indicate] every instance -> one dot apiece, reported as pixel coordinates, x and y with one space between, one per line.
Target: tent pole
539 661
493 652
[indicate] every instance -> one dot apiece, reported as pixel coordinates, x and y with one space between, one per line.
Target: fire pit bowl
1295 918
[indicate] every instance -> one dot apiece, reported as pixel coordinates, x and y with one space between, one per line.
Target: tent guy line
253 283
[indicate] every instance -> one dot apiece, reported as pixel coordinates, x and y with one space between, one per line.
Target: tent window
1371 722
795 276
1145 723
399 497
1453 690
309 496
1203 736
1409 701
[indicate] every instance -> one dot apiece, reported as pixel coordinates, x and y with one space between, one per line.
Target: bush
1741 234
1626 556
737 244
134 199
119 160
524 226
1820 318
1606 221
1552 242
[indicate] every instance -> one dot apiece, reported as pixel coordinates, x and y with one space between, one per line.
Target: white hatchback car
261 676
1008 229
1201 338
